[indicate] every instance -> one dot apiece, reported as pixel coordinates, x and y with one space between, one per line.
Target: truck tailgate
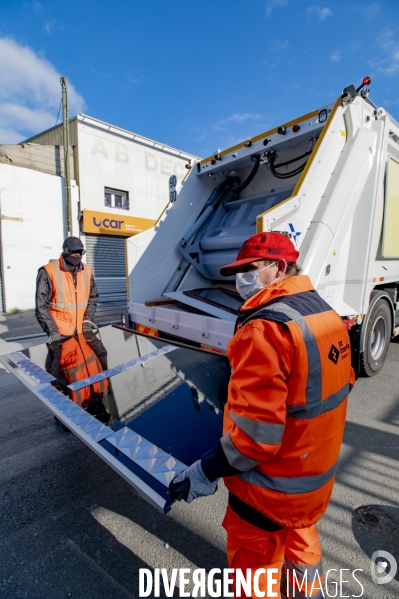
147 408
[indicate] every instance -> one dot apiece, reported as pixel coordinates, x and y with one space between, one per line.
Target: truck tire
376 339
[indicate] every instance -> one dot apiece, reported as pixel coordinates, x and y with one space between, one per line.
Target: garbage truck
329 181
147 394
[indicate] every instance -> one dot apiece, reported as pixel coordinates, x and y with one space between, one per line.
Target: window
116 199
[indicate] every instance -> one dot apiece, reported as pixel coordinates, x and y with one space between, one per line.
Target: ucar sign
114 224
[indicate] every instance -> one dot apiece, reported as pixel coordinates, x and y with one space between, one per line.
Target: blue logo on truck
295 234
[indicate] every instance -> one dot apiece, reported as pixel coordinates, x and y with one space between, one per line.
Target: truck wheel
376 339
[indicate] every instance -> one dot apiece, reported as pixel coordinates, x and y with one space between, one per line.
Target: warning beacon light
366 81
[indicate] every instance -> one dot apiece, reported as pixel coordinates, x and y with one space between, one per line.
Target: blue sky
196 75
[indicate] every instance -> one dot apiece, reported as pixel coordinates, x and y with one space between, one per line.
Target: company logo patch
333 354
295 234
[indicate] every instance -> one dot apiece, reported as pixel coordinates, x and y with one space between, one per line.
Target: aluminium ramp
146 408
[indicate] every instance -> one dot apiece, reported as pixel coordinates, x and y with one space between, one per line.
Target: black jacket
44 290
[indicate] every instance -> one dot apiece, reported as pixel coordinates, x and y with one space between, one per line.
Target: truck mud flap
147 408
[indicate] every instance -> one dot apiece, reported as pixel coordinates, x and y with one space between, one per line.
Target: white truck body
341 212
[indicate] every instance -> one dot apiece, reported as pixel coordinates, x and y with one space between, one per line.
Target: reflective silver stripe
61 292
303 484
285 309
69 306
260 432
308 411
234 456
300 569
60 285
313 384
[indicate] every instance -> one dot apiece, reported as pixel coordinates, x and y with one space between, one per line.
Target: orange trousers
298 549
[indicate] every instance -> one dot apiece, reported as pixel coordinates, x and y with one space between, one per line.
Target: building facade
119 187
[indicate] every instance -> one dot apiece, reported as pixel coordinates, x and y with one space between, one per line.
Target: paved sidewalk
22 324
16 331
71 527
22 330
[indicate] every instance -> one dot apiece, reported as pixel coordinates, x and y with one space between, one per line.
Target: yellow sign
114 224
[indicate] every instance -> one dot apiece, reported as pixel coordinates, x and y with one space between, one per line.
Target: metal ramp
146 408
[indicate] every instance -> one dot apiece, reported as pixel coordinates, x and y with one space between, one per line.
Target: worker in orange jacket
75 359
66 293
283 422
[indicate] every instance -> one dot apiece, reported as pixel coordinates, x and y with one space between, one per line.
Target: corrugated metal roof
53 136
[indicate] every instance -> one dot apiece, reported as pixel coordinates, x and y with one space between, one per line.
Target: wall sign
105 223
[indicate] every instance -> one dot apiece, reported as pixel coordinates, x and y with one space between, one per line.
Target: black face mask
72 260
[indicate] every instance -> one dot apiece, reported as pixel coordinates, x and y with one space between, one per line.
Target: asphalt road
71 527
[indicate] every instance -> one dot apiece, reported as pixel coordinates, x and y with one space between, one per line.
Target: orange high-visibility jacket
68 303
78 361
285 415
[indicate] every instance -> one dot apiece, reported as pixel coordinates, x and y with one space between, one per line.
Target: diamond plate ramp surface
35 372
145 454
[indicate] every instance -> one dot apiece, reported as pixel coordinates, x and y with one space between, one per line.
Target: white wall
110 160
106 159
36 198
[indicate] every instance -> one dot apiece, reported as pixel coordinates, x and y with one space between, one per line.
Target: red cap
263 246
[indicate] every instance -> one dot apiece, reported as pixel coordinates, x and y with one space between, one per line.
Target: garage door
106 255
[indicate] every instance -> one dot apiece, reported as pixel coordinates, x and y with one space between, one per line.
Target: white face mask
248 283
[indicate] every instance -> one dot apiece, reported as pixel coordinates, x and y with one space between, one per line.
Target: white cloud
387 61
278 45
371 10
390 102
319 12
136 77
48 26
272 4
269 64
225 132
240 118
30 93
336 56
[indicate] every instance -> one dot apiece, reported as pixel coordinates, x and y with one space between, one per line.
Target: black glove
192 483
89 326
54 338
